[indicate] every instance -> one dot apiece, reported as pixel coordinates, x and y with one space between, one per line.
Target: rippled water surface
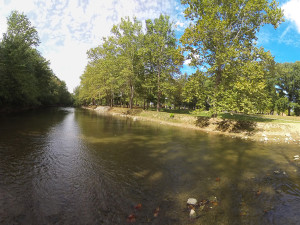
66 166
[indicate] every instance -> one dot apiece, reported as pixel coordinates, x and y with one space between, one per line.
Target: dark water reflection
67 166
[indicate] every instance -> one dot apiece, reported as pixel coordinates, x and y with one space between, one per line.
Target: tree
288 81
20 28
26 79
102 78
129 38
221 37
197 90
163 54
19 62
176 96
281 105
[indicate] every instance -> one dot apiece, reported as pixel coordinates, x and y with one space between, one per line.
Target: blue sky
68 28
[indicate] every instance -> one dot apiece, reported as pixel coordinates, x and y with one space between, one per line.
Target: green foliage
132 65
26 78
20 29
296 108
288 81
162 54
221 38
281 104
197 90
141 65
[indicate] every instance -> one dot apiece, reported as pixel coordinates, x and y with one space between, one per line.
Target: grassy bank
267 128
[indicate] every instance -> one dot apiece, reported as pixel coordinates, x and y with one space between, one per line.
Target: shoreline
288 133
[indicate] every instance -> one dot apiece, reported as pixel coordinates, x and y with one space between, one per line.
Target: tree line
142 66
26 79
132 65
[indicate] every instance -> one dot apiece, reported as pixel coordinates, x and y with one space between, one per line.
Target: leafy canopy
222 39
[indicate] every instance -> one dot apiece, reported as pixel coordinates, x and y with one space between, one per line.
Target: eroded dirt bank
258 131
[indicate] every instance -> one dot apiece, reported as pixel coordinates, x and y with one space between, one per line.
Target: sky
68 28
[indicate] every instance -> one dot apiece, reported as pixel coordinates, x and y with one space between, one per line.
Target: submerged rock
192 201
193 214
266 139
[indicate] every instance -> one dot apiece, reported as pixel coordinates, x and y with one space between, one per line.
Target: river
73 166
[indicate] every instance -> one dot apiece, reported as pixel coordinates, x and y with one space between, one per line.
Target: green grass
165 114
243 117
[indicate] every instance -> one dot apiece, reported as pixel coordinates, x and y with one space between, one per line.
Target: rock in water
193 214
192 201
266 139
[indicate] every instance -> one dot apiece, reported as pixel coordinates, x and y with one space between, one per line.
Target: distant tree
176 97
197 90
103 78
281 105
288 81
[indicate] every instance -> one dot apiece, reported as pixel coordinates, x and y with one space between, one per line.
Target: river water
67 166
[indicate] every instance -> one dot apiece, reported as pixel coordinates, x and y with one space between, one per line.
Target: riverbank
265 129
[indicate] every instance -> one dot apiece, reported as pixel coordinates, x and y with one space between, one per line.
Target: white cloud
291 12
179 24
68 28
187 62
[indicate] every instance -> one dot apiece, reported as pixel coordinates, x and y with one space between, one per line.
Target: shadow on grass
227 125
243 117
133 112
177 111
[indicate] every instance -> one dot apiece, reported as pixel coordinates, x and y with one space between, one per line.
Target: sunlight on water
66 166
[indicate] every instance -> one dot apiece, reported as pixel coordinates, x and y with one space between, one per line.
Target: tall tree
19 59
102 78
129 38
164 55
25 76
222 36
20 28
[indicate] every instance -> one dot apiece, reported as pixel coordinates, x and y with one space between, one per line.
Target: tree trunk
217 84
131 96
158 92
289 107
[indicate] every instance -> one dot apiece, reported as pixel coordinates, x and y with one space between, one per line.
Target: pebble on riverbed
193 214
192 201
280 172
